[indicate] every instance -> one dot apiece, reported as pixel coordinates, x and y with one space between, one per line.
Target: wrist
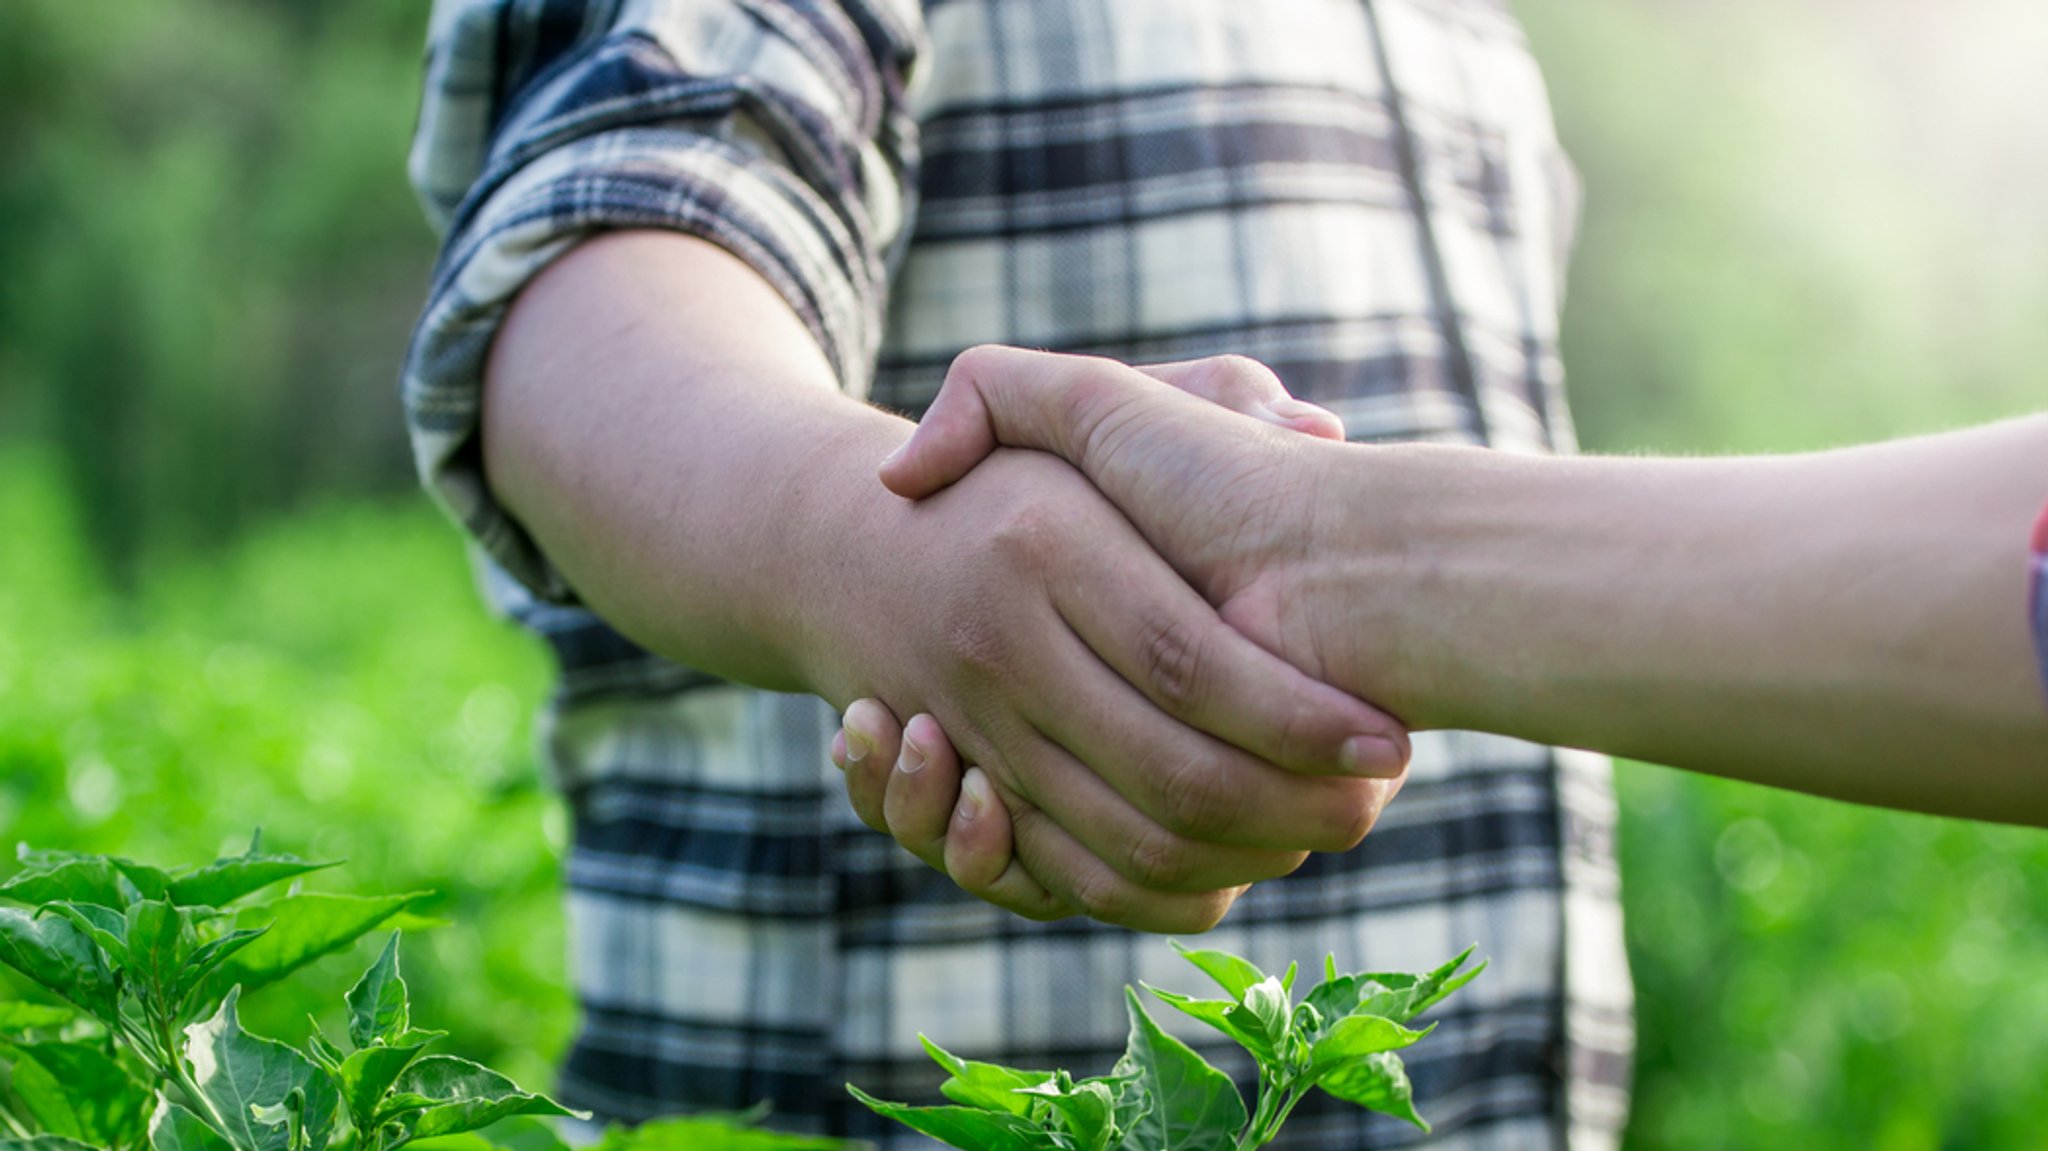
850 537
1412 534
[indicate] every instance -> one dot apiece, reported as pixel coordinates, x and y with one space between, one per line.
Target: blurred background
1808 222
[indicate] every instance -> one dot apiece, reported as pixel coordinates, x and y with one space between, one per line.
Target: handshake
1204 729
1843 623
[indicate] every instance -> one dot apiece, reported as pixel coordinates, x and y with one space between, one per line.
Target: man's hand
1082 676
1232 502
659 421
1833 622
1222 495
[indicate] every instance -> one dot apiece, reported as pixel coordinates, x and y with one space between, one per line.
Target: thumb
1245 386
1009 396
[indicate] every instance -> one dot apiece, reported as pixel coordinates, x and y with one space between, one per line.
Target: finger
1195 789
995 394
1250 388
1083 882
979 857
1159 636
1189 782
1060 403
866 750
923 790
1114 835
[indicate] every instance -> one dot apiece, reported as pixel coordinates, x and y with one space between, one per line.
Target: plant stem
14 1125
173 1067
1260 1130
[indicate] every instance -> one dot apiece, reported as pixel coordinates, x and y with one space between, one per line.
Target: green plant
1341 1037
154 964
151 1053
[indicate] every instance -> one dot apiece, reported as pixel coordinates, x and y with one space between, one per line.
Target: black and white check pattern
1365 194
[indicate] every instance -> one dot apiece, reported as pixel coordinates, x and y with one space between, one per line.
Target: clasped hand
1136 748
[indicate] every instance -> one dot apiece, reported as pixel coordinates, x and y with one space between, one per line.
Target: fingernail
1371 755
1289 408
973 796
839 749
911 761
857 746
892 456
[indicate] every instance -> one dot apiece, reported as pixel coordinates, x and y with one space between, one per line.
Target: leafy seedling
151 1052
1341 1038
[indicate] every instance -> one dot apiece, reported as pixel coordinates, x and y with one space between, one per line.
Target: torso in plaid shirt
1302 181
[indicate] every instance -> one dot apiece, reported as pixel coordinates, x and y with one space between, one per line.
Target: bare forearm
661 422
1849 623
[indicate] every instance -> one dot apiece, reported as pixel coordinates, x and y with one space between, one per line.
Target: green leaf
968 1128
59 956
79 1091
1356 1036
377 1004
106 926
367 1075
1194 1106
1086 1110
1433 988
1393 994
1266 1001
1231 973
463 1096
18 1018
50 877
236 1073
1377 1083
202 963
225 880
44 1143
1232 1019
1133 1102
160 938
984 1085
303 928
707 1133
326 1054
172 1128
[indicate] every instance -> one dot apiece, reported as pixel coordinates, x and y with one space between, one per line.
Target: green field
1806 223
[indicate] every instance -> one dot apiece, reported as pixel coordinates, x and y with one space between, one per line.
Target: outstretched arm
1850 623
660 422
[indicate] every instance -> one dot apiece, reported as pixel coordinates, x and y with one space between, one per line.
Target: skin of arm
1849 623
661 422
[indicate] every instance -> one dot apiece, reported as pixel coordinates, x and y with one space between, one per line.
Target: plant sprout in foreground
1162 1096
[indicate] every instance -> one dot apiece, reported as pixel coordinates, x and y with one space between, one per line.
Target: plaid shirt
1365 194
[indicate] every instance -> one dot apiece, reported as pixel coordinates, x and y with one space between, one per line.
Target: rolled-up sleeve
779 130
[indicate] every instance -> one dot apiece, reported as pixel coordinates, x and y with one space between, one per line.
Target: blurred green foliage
1807 223
332 680
211 254
1810 224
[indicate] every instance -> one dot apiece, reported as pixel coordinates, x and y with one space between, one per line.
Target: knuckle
1198 800
976 361
1202 915
1100 897
1242 367
1158 859
1352 818
1242 377
1176 661
977 642
1026 535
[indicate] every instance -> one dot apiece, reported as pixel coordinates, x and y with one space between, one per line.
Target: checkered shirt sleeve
776 130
